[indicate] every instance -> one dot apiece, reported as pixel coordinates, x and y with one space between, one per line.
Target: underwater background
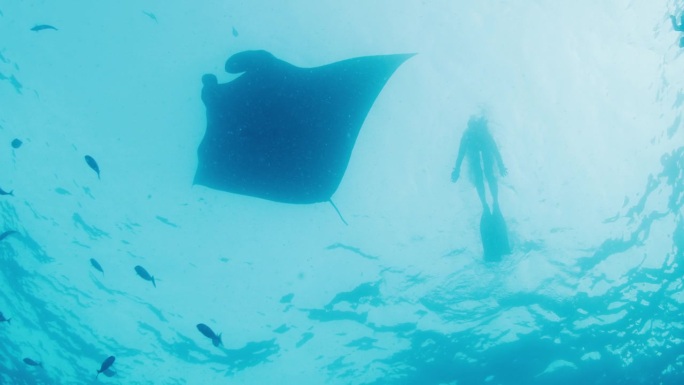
584 100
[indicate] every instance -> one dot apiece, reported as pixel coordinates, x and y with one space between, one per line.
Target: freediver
678 27
477 144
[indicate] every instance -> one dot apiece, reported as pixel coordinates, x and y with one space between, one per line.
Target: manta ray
286 133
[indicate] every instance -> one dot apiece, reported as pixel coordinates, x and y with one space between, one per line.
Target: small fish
105 365
7 234
235 32
3 319
42 27
151 16
93 164
96 265
207 332
144 274
3 192
16 143
31 362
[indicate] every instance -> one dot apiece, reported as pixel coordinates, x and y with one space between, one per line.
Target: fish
7 234
16 143
41 27
3 192
31 362
96 265
207 332
151 16
93 164
145 275
235 32
106 364
3 319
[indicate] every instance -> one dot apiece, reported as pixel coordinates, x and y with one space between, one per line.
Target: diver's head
477 122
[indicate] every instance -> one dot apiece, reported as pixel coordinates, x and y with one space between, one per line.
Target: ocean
326 242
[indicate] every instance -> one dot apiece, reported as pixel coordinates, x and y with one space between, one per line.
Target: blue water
584 102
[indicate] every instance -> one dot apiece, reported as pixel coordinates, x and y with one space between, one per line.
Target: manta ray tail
338 212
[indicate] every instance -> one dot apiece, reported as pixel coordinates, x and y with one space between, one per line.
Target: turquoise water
584 103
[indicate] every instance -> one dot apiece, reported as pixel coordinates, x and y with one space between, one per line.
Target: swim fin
494 234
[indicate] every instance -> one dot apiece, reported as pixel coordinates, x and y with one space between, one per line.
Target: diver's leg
476 176
479 186
494 189
491 181
478 181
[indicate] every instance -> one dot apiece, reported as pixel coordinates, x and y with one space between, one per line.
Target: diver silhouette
678 27
479 147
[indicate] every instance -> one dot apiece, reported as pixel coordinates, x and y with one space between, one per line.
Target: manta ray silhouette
285 133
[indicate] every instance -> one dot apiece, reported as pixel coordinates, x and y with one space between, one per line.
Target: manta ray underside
285 133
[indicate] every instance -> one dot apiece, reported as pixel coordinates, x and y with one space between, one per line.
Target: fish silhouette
96 265
31 362
106 364
207 332
93 164
3 192
42 27
145 275
151 16
3 319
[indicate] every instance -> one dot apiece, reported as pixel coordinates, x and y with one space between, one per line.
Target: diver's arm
494 150
499 161
459 160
